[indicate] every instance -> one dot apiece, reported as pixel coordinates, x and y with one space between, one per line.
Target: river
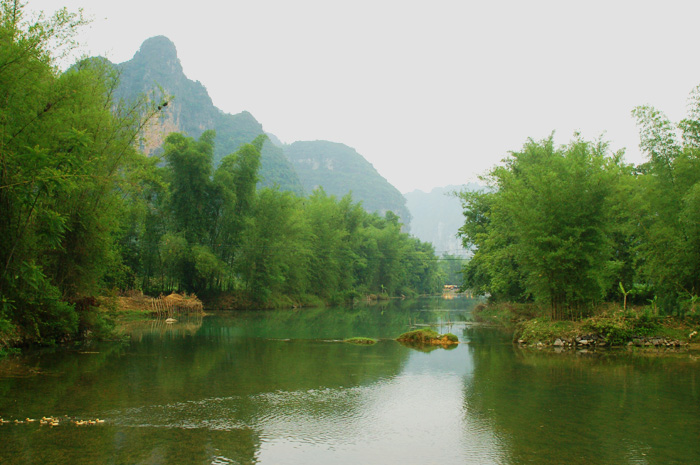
279 387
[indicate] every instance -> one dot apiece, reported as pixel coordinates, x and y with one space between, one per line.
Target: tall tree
191 193
275 251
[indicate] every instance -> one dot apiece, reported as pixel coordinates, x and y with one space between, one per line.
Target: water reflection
239 388
610 407
186 325
280 387
413 417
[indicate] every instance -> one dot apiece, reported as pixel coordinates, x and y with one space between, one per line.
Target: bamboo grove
83 212
572 227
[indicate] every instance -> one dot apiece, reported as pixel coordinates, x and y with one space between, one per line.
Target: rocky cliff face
299 167
156 66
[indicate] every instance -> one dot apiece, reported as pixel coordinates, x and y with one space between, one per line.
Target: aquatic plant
361 341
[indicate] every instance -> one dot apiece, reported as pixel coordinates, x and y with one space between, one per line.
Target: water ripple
392 415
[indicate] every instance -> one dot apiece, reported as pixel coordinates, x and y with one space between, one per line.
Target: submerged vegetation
84 213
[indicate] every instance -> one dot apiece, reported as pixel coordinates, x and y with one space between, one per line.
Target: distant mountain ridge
437 217
298 167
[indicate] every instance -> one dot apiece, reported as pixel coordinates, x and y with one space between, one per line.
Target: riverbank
135 305
608 326
238 300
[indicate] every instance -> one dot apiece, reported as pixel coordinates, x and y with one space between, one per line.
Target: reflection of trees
386 320
43 382
188 392
568 408
427 348
215 367
110 445
186 325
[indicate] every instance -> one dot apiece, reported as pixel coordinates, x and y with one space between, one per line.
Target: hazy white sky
432 92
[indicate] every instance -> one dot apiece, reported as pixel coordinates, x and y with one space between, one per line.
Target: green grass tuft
361 341
427 336
419 335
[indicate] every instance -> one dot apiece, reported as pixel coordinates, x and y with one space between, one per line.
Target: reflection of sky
417 416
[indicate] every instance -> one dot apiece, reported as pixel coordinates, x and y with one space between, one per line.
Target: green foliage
274 251
544 330
667 205
451 337
189 173
451 268
419 336
620 327
543 233
330 245
46 317
340 170
207 233
95 324
65 151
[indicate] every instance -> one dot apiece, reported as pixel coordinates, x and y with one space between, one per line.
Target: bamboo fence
176 304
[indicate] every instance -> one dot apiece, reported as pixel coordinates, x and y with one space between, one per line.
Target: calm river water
277 387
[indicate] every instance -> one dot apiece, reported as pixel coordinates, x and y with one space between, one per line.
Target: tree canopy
570 226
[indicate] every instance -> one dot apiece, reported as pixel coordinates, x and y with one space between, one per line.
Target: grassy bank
607 326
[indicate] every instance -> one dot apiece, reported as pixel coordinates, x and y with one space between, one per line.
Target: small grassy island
427 336
366 341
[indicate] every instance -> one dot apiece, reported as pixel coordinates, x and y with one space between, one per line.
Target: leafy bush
615 329
544 330
645 325
94 323
42 316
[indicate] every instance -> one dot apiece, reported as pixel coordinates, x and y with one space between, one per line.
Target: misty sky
433 92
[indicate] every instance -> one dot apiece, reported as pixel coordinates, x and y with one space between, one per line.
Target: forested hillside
339 169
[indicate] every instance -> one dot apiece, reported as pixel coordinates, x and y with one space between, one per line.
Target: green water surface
279 387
